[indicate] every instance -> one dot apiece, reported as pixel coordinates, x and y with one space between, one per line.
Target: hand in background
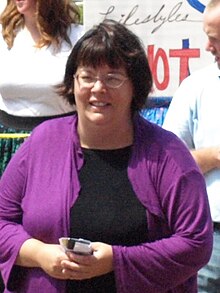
207 158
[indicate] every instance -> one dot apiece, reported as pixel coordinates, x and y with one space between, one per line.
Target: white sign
172 32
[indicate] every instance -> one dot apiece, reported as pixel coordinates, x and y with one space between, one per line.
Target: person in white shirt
2 5
194 116
35 41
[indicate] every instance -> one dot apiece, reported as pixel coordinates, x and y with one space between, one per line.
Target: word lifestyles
159 18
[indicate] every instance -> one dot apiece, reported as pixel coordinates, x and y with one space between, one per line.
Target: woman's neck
102 138
31 26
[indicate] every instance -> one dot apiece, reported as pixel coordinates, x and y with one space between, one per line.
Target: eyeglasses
109 80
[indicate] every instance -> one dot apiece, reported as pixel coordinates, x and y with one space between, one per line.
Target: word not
159 55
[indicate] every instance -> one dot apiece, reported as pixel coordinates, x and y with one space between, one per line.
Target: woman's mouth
99 104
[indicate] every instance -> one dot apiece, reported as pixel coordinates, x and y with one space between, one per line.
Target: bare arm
207 158
28 254
34 253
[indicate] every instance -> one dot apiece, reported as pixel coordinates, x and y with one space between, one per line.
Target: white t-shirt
28 76
3 4
194 116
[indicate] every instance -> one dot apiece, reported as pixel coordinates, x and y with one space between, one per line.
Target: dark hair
113 44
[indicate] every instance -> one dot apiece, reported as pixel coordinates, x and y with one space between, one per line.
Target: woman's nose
99 85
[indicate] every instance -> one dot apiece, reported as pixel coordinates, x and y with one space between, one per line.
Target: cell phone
76 245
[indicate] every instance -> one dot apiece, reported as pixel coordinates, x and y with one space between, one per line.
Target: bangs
96 53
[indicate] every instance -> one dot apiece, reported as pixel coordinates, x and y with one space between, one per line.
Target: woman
36 39
127 185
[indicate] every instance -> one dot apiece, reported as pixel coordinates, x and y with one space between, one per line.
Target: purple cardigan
41 184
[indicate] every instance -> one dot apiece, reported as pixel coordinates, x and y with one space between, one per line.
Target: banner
172 32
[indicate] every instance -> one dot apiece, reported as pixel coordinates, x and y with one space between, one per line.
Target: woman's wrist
29 254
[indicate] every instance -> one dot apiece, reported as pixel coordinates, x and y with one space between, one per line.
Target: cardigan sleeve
12 234
171 187
166 263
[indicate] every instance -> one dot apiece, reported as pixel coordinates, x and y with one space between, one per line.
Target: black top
107 210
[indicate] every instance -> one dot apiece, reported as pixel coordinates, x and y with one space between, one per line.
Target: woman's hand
50 258
55 262
80 267
34 253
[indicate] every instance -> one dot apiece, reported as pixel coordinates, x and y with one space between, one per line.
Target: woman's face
26 7
103 96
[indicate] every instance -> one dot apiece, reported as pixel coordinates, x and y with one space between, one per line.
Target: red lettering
160 55
153 62
184 55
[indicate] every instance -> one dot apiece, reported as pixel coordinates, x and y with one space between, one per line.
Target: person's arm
28 254
17 247
180 119
180 116
12 234
168 260
207 158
